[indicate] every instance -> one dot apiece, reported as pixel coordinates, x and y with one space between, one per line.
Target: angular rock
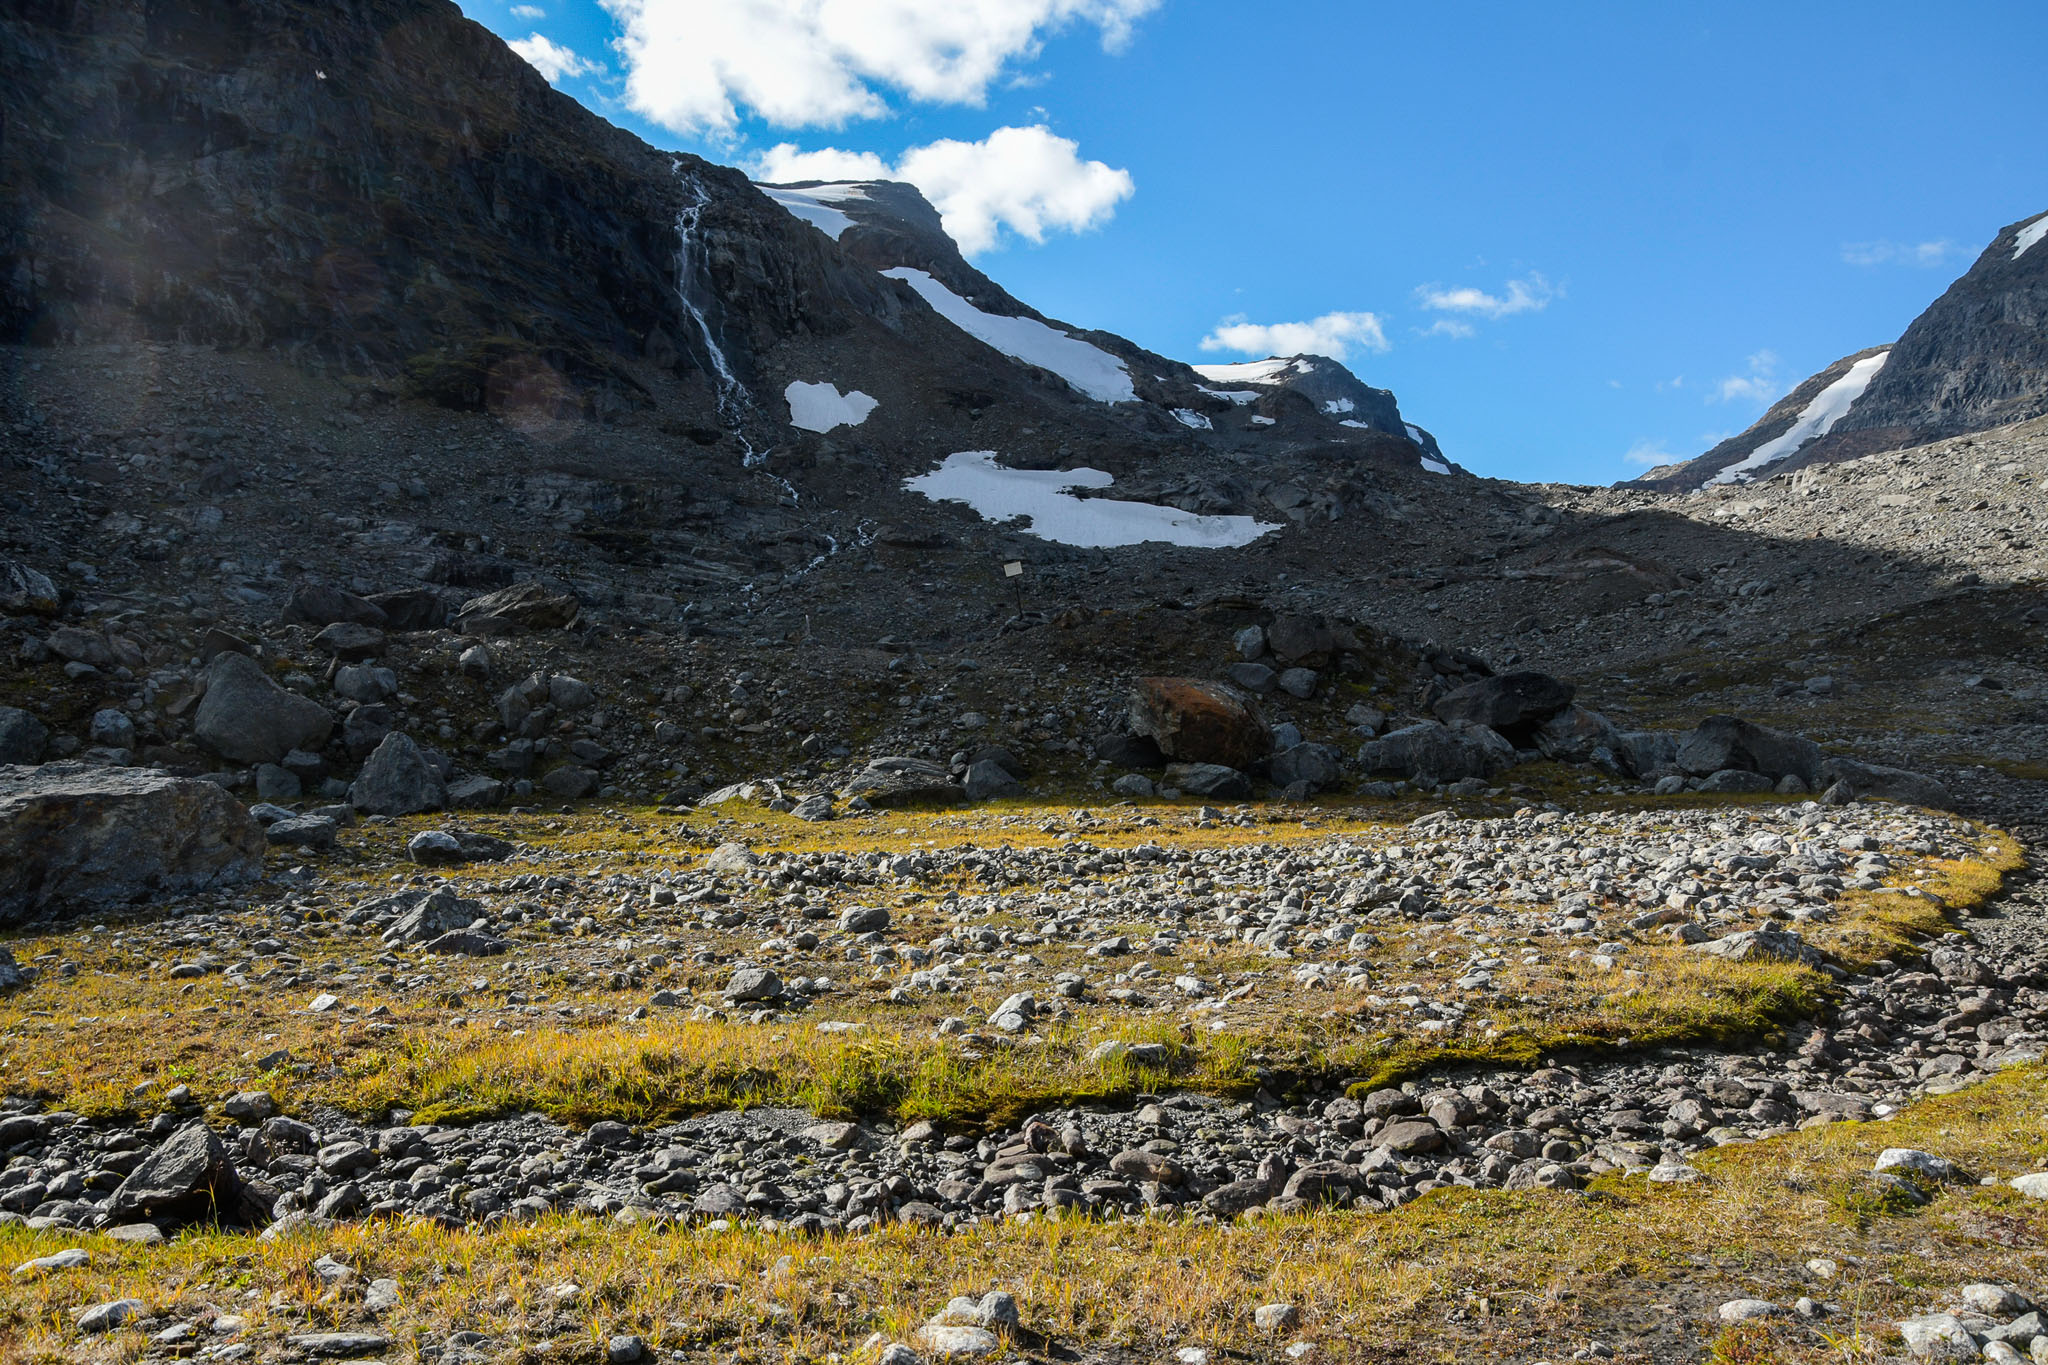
426 915
1861 780
1431 753
1128 751
986 781
1762 945
350 640
570 782
1722 742
1196 721
1207 779
22 737
410 609
25 591
1573 734
247 718
896 781
190 1178
74 835
517 609
397 779
316 604
1515 705
753 983
1319 765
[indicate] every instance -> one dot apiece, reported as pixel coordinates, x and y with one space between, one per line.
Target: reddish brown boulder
1197 721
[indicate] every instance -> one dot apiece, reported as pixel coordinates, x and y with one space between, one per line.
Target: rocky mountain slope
1977 358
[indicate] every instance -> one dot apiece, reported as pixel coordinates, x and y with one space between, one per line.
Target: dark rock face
1431 753
380 183
517 609
1977 358
72 835
1514 704
1197 721
1887 784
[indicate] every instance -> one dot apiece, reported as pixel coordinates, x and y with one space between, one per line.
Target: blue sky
1586 235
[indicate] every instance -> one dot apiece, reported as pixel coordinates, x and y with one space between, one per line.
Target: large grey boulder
1719 743
191 1178
1574 734
1430 753
987 780
426 915
398 779
1197 721
1207 779
316 604
1648 754
247 718
76 835
22 737
899 781
1318 765
1885 784
1513 704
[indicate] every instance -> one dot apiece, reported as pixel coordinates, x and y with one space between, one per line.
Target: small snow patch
1272 370
1238 396
1090 369
1435 466
821 407
1258 421
1045 496
1414 432
2030 236
1362 426
1188 417
1337 405
814 205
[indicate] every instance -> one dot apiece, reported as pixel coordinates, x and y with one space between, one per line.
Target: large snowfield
814 205
1815 420
821 407
1090 369
998 494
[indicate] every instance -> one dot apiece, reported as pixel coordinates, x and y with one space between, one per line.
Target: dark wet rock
1515 705
248 718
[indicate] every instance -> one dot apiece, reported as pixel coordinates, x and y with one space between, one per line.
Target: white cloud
1759 384
528 12
551 59
1924 254
1027 180
691 66
1451 327
1649 454
1531 294
1332 334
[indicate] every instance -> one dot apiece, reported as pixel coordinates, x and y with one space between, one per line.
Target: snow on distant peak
1337 405
1044 495
821 407
814 205
1240 397
1414 432
1814 422
2030 235
1188 417
1435 466
1090 369
1271 370
1362 426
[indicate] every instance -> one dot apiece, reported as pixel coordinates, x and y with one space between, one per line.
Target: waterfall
734 402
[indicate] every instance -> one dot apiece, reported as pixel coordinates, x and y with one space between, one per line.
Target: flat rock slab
77 836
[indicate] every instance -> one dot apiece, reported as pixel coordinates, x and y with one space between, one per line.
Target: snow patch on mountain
814 205
1056 514
2030 235
821 407
1272 370
1090 369
1337 405
1188 417
1435 466
1240 397
1815 420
